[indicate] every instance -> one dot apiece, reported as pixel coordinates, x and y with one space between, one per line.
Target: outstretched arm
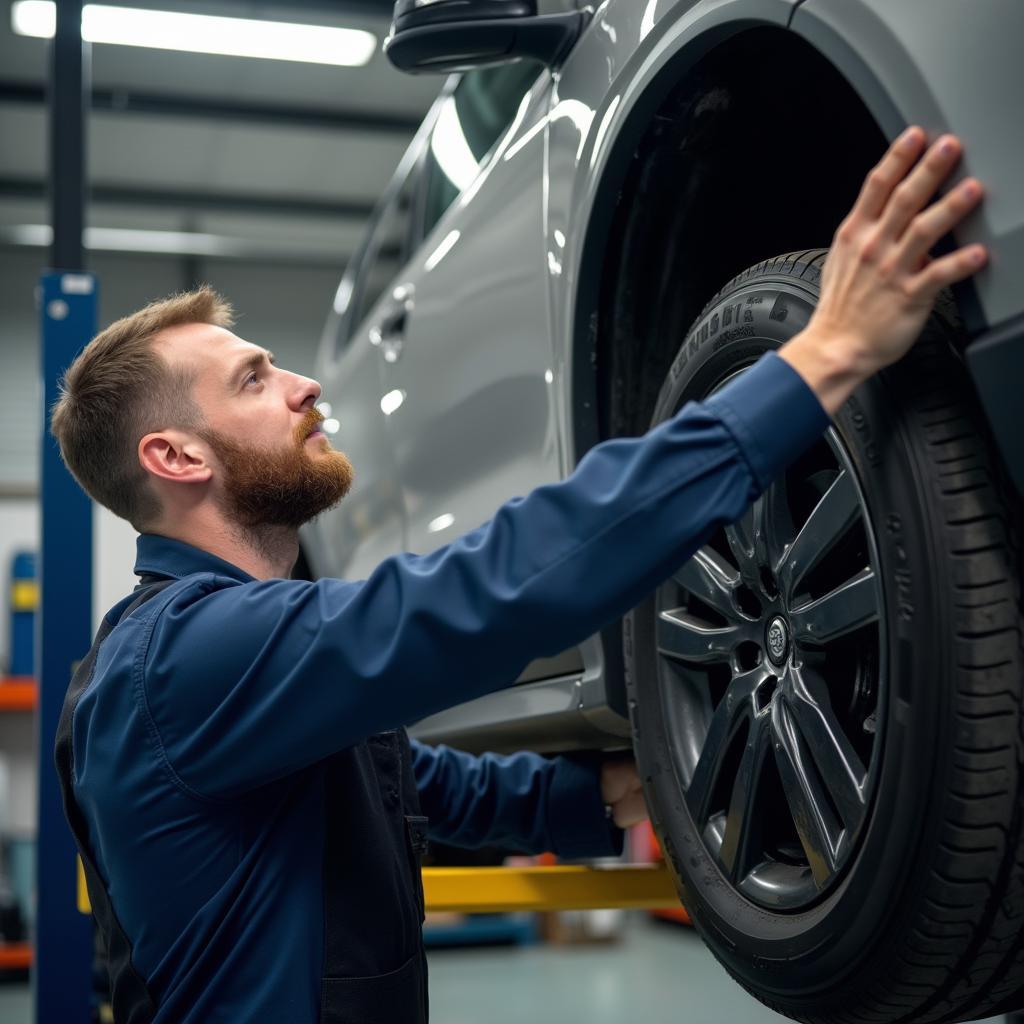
521 802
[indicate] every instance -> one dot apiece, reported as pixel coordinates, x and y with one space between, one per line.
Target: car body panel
606 81
497 358
477 348
906 61
369 524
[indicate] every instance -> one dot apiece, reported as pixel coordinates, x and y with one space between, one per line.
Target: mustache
313 418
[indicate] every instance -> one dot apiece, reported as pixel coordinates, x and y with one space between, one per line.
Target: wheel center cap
777 639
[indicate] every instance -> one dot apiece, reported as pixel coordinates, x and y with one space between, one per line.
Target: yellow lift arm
562 887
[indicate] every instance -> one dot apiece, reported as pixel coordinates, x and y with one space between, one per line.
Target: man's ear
175 455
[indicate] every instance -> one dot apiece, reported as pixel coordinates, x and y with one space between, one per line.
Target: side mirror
441 36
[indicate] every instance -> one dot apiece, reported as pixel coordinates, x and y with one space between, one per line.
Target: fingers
630 810
938 220
618 779
941 273
912 194
892 221
887 174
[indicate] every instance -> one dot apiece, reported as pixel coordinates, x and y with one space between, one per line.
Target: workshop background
258 177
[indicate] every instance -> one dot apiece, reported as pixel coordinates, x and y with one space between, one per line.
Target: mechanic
232 754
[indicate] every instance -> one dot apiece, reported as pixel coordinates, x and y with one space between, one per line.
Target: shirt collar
162 556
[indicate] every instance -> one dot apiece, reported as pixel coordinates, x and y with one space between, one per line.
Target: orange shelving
15 956
17 693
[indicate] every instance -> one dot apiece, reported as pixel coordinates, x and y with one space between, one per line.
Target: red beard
280 487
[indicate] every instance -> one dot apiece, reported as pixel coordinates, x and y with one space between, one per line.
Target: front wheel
826 698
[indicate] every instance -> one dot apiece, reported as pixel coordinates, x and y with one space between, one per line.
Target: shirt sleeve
522 802
243 683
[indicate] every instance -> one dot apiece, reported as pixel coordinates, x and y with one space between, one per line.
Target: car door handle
389 334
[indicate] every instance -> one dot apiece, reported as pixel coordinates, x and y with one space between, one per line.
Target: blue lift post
62 970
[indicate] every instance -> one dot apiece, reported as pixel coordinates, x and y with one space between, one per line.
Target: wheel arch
712 171
631 307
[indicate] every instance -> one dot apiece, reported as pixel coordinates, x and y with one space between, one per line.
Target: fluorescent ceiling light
166 243
186 243
28 234
183 243
203 33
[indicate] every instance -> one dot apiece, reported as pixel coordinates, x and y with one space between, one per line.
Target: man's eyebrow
250 362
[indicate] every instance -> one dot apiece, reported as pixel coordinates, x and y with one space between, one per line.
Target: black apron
374 966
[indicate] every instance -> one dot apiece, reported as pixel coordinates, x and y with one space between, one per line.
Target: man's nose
307 392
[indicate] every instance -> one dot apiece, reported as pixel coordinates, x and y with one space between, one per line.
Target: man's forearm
521 802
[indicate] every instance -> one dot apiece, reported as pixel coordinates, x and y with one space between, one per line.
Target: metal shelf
18 693
15 956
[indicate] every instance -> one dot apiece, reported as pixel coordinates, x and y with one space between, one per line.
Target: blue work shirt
197 742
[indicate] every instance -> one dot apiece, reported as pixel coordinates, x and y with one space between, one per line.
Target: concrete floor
656 974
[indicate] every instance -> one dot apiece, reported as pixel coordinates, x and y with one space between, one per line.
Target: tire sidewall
794 955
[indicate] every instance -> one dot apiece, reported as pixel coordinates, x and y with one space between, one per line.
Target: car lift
508 889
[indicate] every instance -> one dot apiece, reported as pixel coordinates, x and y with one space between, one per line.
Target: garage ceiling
277 157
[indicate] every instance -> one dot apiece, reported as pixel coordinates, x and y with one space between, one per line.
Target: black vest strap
130 999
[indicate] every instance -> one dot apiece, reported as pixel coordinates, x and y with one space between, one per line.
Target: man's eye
253 378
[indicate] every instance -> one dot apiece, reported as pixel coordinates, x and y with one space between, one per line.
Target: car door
368 525
464 334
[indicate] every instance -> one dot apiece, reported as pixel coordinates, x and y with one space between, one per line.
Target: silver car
608 213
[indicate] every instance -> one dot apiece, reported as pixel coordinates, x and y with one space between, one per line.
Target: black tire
917 914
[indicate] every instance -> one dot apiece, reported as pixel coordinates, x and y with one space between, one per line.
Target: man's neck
269 552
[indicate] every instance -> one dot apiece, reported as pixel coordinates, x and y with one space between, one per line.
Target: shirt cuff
577 823
772 413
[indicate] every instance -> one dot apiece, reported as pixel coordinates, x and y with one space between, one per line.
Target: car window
468 125
380 259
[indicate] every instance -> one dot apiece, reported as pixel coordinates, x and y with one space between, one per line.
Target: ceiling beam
151 104
187 199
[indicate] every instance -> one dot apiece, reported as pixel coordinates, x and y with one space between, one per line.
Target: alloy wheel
771 680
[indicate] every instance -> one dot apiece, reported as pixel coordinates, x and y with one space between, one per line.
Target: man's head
167 411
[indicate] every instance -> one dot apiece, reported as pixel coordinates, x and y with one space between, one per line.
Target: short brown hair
119 389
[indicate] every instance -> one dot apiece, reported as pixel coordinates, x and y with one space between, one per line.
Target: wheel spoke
839 766
685 638
742 846
733 709
848 607
836 511
816 826
773 524
740 536
708 576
